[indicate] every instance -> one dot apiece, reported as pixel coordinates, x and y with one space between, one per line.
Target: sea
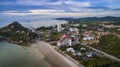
13 55
33 22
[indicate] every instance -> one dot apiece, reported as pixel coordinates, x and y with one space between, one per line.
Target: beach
14 55
54 58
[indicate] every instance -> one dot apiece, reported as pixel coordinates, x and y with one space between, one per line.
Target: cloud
32 12
38 10
60 3
78 4
46 3
45 11
67 5
84 12
61 7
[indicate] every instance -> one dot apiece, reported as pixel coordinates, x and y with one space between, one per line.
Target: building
59 28
89 54
74 31
84 25
65 41
74 35
70 49
82 48
88 38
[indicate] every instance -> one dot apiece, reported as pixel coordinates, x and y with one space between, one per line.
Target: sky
21 9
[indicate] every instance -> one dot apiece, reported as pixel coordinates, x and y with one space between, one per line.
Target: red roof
63 37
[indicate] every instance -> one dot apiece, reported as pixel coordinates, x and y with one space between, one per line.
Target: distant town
92 43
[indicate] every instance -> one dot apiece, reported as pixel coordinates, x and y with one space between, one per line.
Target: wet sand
54 58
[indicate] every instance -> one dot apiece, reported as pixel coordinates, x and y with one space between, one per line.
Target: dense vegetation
17 33
110 44
43 28
10 29
99 62
94 61
107 18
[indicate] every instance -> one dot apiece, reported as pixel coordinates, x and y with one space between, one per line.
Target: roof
64 37
88 38
89 54
69 49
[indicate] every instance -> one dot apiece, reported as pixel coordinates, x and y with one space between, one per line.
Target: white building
74 34
89 54
69 49
74 31
59 28
65 41
88 38
79 54
82 48
84 25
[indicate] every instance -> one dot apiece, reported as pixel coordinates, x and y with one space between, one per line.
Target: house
84 25
79 54
74 31
69 49
65 41
89 54
74 54
82 48
88 38
86 34
74 35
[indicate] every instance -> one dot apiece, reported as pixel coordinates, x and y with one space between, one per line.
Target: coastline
53 57
42 51
13 55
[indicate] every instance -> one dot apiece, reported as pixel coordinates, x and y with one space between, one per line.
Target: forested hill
15 26
107 18
17 33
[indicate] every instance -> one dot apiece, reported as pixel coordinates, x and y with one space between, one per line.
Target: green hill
16 33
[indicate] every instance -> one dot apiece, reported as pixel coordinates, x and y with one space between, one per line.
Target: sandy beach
54 58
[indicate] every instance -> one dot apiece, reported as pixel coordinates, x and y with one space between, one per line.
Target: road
53 57
101 52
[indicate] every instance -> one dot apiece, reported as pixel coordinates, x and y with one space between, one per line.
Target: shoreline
50 53
51 56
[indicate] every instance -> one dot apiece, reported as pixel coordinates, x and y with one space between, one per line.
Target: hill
107 18
16 33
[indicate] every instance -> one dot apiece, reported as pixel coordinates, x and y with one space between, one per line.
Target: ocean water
30 21
12 55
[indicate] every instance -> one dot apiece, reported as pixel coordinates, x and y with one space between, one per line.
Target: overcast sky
10 9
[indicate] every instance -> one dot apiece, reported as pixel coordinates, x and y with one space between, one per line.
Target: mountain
15 26
12 28
17 33
107 18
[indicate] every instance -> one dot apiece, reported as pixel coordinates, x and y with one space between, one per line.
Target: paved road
53 57
101 52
